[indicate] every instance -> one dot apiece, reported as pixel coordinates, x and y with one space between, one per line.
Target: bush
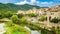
55 20
14 19
23 20
59 19
32 15
42 18
8 14
20 15
1 16
34 26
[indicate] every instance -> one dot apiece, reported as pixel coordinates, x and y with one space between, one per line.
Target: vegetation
20 15
36 26
1 15
8 14
17 20
42 18
23 20
14 19
59 19
44 31
32 15
16 29
55 20
15 8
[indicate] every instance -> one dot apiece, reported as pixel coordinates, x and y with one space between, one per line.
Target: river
32 31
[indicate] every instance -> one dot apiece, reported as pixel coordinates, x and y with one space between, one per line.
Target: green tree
23 20
59 19
14 18
8 14
55 20
32 15
42 18
1 15
20 15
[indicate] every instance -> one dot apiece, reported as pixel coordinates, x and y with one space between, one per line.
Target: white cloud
45 3
35 2
32 2
23 2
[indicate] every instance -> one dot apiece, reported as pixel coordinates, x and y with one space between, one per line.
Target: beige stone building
21 12
34 10
51 12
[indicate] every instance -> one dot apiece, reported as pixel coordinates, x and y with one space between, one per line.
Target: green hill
15 8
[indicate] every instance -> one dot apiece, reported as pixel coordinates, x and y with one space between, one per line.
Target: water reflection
32 31
35 32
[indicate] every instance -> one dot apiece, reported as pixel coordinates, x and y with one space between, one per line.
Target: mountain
15 8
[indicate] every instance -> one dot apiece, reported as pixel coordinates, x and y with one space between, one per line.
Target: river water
32 31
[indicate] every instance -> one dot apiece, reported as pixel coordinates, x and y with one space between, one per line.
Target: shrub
55 20
42 18
34 26
32 15
23 20
8 14
14 18
59 19
20 15
1 16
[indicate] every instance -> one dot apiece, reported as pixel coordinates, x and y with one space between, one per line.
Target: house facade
51 12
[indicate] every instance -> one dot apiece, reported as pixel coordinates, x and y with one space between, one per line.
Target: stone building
51 12
34 10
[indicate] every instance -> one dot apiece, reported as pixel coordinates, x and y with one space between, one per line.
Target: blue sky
43 3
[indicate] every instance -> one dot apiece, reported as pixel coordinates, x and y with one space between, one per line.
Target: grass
15 29
58 31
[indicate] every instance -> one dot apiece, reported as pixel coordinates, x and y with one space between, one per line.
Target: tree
55 20
14 18
32 15
20 15
59 19
42 18
8 14
23 20
1 15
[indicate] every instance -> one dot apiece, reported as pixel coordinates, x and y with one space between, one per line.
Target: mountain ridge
15 8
